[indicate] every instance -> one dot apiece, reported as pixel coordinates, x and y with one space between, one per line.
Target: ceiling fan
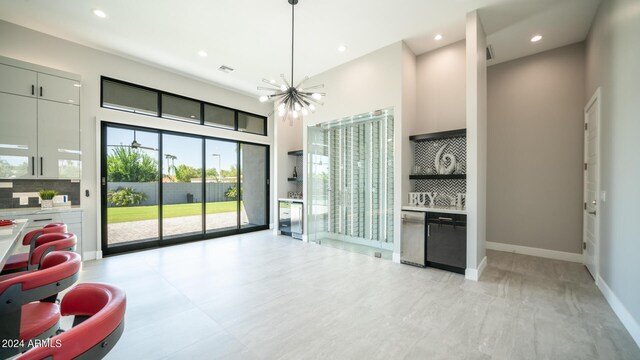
135 144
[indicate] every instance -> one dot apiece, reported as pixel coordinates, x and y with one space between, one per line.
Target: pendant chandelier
292 101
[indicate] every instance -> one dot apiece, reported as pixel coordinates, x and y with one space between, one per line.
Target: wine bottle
295 173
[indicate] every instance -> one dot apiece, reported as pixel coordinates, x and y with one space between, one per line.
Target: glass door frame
160 242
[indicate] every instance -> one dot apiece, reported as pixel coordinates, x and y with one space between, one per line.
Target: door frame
104 248
595 98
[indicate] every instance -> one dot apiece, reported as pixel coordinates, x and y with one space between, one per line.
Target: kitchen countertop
9 236
446 210
37 210
291 200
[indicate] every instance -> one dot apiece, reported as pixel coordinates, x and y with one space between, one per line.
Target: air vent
490 53
226 69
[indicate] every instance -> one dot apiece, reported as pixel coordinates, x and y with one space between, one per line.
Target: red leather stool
24 315
98 324
44 244
15 262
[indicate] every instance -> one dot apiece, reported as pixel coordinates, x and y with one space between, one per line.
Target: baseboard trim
91 255
621 311
545 253
475 274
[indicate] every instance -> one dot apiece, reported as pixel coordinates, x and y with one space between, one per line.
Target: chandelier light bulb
316 96
281 107
264 98
283 88
312 107
281 112
305 112
297 106
295 114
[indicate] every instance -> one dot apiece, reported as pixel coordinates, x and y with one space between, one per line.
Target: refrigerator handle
428 230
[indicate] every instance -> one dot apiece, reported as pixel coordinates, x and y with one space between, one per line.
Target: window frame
202 103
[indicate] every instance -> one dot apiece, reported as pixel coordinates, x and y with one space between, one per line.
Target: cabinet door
58 140
59 89
18 136
17 81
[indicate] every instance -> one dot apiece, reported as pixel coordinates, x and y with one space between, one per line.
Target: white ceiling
253 36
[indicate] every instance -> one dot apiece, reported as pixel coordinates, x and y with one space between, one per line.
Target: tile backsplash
10 191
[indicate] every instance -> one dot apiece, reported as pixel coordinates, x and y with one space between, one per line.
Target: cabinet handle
33 89
445 218
36 220
33 165
428 230
40 91
41 166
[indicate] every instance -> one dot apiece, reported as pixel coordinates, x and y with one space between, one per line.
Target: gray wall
176 193
440 89
535 137
613 56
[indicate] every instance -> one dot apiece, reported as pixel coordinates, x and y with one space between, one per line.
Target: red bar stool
14 262
25 316
44 244
98 311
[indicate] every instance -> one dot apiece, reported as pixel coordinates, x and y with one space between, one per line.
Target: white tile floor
260 296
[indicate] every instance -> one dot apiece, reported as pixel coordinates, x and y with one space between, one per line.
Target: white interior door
591 180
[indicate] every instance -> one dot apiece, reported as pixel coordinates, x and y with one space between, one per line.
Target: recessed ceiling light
438 37
342 48
202 53
536 38
77 85
99 13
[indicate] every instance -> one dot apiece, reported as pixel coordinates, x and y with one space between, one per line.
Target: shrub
125 197
232 192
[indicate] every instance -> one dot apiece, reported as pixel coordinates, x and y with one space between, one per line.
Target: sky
188 150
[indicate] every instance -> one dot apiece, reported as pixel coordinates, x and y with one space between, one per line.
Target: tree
125 164
213 174
232 172
184 173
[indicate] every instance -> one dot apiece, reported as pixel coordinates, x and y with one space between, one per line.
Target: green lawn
135 213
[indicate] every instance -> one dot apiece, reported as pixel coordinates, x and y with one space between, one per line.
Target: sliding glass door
254 197
161 187
221 185
132 173
181 186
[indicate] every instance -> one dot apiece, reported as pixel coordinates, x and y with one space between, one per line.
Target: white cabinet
18 136
59 89
58 140
18 81
39 122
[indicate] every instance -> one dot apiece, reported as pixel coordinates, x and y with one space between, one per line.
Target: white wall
612 62
35 47
288 137
441 89
476 98
535 155
410 83
365 84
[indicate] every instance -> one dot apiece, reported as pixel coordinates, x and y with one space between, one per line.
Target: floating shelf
439 135
295 153
442 177
299 179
